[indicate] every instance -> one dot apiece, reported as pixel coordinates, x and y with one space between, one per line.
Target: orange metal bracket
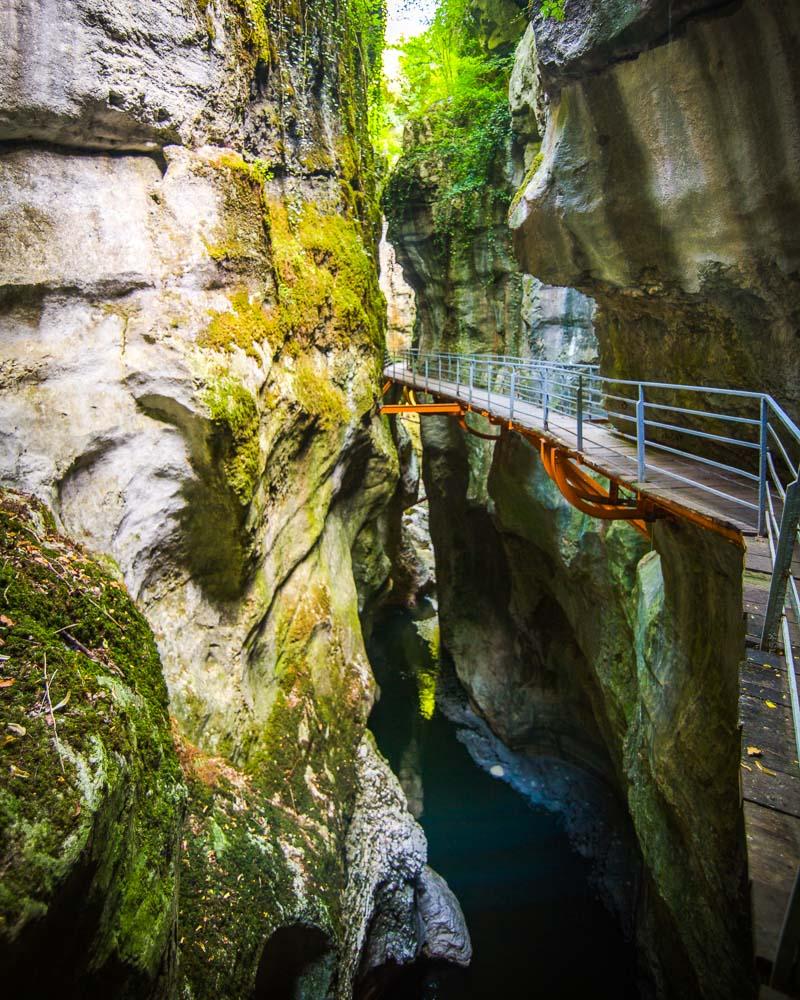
462 423
430 408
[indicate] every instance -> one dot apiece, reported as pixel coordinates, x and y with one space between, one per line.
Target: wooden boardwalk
769 765
770 771
607 452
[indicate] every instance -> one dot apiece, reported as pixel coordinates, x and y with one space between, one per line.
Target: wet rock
221 456
444 936
560 323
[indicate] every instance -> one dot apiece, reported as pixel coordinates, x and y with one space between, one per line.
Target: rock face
576 640
91 794
400 305
190 335
403 908
668 189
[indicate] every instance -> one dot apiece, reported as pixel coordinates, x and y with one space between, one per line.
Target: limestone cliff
668 186
190 337
646 186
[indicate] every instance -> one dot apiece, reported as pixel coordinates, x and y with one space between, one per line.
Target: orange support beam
430 408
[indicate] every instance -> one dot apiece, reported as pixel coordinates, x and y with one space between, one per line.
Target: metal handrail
580 392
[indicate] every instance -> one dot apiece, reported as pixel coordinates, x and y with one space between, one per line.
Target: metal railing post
784 976
471 379
782 566
488 387
512 392
580 412
458 371
640 439
440 373
762 469
545 401
427 381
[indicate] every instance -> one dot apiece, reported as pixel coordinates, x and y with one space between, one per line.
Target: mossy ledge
91 794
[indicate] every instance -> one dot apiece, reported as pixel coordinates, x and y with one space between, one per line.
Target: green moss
265 844
245 325
241 239
255 31
319 397
235 409
327 282
96 797
531 172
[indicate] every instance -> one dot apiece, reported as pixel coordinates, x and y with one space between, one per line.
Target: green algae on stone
240 241
90 806
328 291
233 407
265 841
244 325
319 397
531 172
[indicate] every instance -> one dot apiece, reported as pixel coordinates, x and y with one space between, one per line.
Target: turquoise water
538 926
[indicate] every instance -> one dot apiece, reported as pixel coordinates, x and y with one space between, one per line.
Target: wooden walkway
606 452
770 771
769 766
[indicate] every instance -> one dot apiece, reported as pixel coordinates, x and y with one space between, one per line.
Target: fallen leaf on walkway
770 704
754 752
745 766
766 770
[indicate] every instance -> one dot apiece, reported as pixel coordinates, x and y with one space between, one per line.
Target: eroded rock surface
190 336
668 189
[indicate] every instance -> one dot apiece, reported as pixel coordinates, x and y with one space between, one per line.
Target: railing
746 437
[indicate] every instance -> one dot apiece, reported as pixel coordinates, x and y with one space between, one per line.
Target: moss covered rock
91 795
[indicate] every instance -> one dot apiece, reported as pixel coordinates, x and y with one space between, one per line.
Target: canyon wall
190 340
668 185
654 148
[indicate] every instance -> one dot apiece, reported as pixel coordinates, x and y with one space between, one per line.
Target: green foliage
455 105
552 8
234 408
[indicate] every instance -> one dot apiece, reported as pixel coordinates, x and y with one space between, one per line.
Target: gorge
228 580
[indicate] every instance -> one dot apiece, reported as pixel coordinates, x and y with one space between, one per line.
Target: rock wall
646 188
91 794
668 187
190 340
